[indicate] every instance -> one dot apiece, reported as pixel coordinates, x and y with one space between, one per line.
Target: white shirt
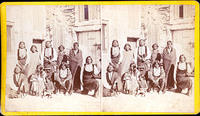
110 75
48 52
75 51
115 51
22 53
182 66
89 68
156 71
169 50
63 73
142 51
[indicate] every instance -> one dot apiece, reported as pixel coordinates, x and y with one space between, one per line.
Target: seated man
111 80
156 77
64 78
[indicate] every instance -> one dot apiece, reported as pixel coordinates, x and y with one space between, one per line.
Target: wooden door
89 43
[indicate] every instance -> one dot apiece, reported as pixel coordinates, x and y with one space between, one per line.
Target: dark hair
169 42
48 41
156 62
158 57
60 47
180 57
75 43
155 44
133 63
109 66
21 43
115 41
17 66
40 68
65 58
32 48
88 58
127 44
64 64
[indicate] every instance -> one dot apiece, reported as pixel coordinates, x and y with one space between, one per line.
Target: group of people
131 72
51 72
141 71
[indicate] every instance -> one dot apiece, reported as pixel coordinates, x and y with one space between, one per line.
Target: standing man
75 60
49 56
169 61
143 53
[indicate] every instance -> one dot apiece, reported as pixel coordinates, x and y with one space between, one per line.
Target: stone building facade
171 22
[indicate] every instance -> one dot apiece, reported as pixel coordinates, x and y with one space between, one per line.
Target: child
130 79
22 55
49 82
142 81
38 82
115 54
155 54
20 80
61 54
65 78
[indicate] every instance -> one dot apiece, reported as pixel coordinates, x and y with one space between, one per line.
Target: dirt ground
152 102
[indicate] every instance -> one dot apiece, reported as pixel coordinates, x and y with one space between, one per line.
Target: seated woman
157 76
64 80
21 81
38 82
130 80
89 77
182 79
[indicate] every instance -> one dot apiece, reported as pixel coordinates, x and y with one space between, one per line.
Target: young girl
20 80
115 54
22 55
64 80
38 82
183 70
35 60
130 80
155 54
61 53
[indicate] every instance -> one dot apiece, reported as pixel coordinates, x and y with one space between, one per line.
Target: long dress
181 77
89 83
35 60
128 58
38 83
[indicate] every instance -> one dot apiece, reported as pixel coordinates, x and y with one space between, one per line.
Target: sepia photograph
100 58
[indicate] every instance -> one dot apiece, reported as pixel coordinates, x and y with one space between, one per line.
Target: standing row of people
140 71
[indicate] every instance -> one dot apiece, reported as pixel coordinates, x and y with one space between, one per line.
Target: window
86 12
181 11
